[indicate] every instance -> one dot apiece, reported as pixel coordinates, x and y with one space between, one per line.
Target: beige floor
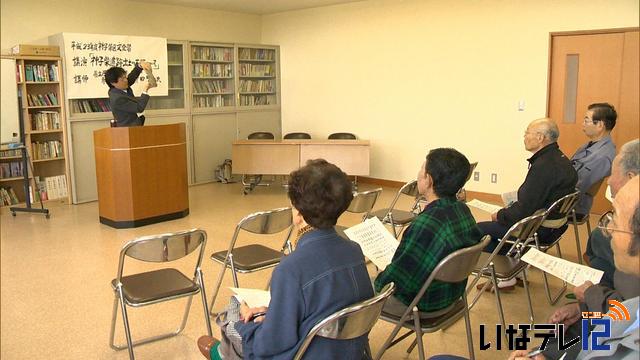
56 299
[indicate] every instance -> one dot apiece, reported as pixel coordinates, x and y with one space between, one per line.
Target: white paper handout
490 208
574 274
376 241
509 198
253 297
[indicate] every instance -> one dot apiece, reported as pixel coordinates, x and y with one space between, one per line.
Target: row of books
256 70
48 99
210 86
11 169
257 86
46 150
250 100
37 73
213 101
89 106
8 196
45 120
209 70
50 188
211 53
9 153
257 54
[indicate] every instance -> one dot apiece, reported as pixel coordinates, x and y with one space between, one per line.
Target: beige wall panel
84 161
212 137
249 122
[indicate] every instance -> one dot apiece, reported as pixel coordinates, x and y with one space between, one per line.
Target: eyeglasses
588 121
605 225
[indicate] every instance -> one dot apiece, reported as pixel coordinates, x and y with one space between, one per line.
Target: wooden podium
142 174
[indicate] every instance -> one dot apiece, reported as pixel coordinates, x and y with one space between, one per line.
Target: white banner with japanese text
88 56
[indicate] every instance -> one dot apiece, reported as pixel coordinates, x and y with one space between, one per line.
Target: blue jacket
593 163
325 273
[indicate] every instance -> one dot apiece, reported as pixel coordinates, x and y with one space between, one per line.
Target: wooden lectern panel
142 174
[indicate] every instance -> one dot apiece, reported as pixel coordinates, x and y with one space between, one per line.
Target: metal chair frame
448 270
593 190
409 189
261 223
173 246
256 180
564 207
349 323
461 195
522 231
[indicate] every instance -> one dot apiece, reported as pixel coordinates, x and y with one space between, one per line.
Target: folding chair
362 203
454 268
496 267
395 217
576 220
349 323
297 136
255 257
156 286
250 182
461 195
342 136
562 208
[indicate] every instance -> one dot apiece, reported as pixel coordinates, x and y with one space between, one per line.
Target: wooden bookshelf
212 76
40 85
258 76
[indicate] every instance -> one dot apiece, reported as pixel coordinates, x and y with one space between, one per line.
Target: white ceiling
259 7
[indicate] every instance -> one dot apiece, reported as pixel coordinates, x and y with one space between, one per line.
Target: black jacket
550 177
124 105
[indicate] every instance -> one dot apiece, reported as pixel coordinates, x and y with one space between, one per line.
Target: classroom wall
32 21
415 75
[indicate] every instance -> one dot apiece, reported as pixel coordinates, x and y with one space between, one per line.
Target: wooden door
590 67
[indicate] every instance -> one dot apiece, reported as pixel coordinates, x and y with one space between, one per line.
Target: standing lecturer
124 105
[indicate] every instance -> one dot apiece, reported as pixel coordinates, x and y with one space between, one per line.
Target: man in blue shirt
593 160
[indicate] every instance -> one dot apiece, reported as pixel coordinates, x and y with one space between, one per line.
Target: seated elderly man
593 160
623 227
444 226
550 177
626 165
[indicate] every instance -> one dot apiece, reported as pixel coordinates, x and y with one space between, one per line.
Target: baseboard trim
482 196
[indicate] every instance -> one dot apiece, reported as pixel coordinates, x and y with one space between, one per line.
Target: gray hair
630 157
547 128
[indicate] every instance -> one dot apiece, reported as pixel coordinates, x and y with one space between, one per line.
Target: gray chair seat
155 285
400 217
428 320
506 267
250 257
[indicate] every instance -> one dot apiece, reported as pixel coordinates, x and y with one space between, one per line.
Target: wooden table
274 157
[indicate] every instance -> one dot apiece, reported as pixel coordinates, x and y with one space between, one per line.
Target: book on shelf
48 99
46 150
209 86
211 53
41 72
213 101
45 120
254 100
19 73
9 153
8 196
247 54
11 169
212 70
256 70
91 105
257 86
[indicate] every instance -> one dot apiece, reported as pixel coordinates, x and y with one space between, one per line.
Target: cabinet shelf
258 93
257 60
257 77
209 94
45 160
10 157
213 61
13 179
41 82
44 107
53 131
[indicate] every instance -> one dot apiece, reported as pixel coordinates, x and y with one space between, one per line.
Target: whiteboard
88 56
9 113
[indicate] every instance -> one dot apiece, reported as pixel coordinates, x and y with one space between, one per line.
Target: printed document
376 241
490 208
574 274
253 297
509 198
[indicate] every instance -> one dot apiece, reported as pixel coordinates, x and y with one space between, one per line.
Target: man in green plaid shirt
444 226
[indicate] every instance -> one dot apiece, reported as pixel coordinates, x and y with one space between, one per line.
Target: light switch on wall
521 104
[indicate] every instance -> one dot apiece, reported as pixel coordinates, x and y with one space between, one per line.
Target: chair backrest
364 201
261 135
561 208
472 167
298 136
264 223
351 322
342 136
409 189
164 247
